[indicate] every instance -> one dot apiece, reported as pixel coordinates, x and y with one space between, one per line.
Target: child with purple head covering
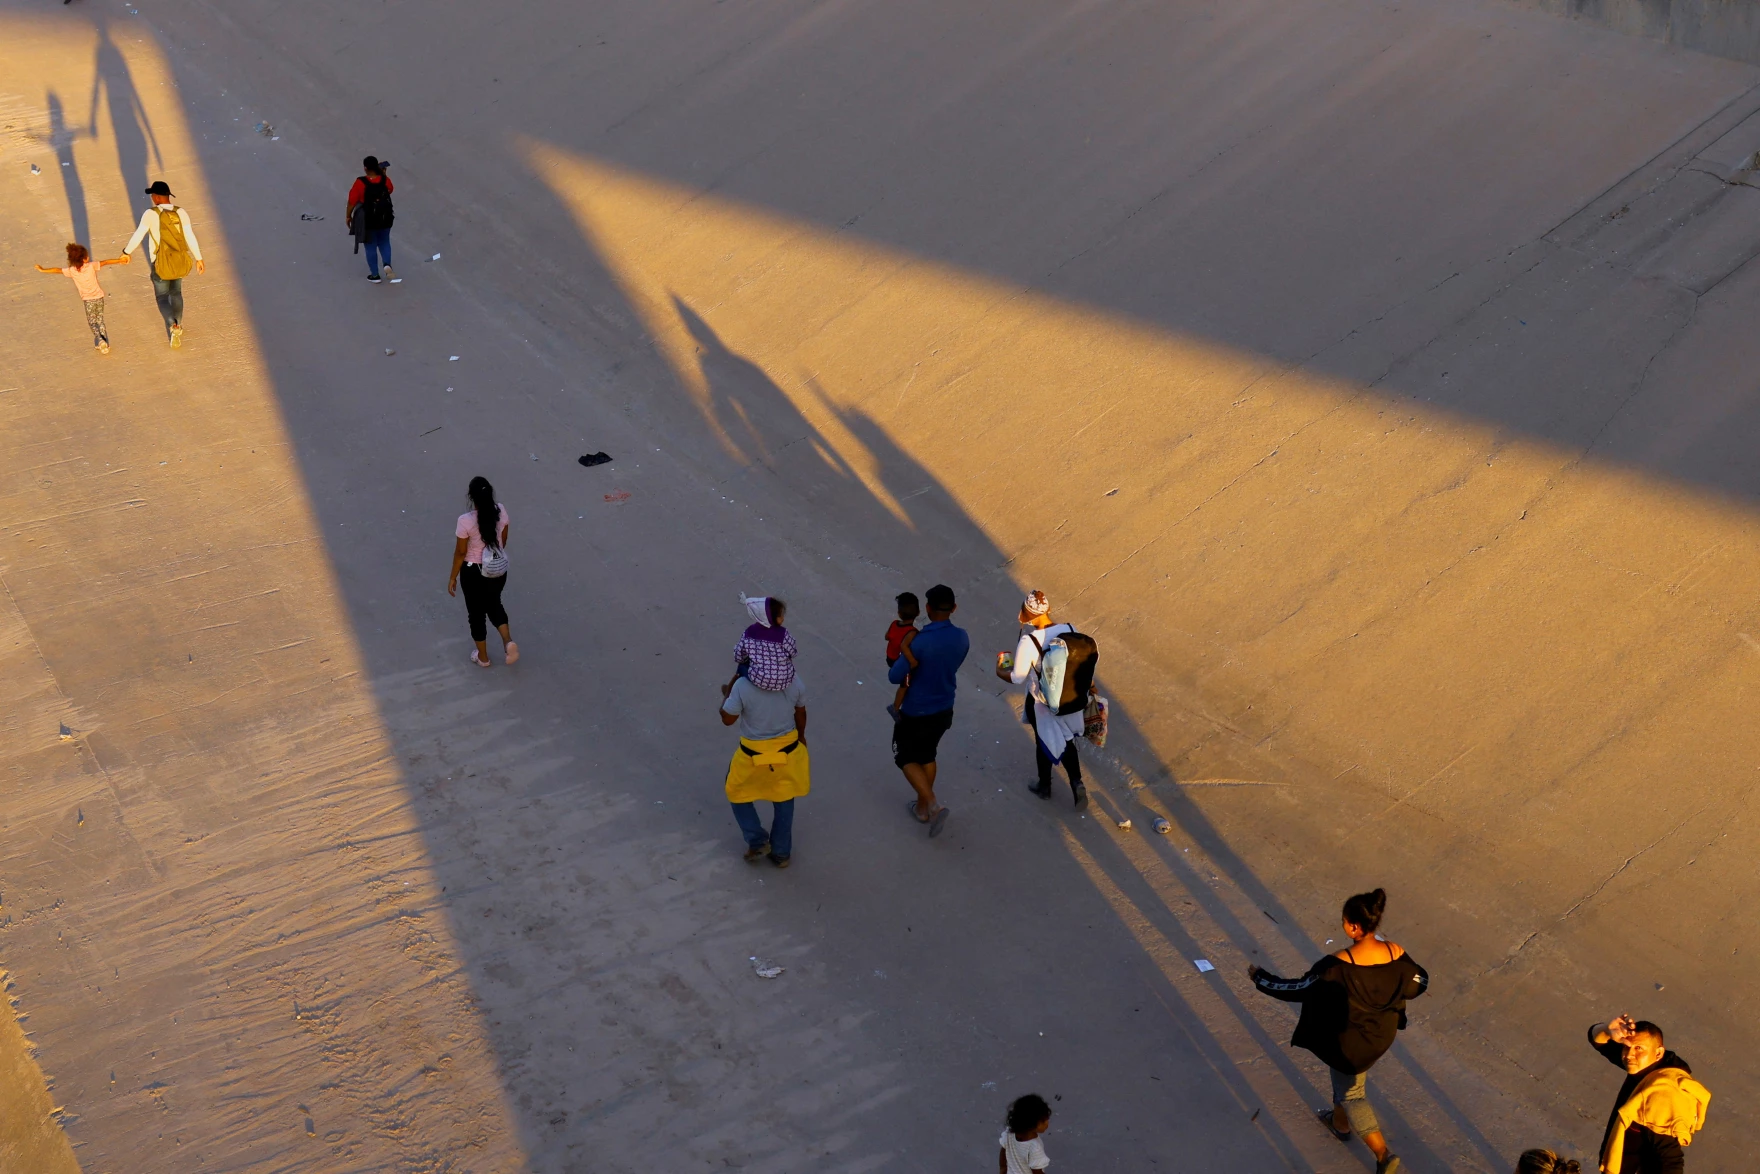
765 653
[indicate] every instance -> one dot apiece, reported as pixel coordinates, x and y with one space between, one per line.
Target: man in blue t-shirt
939 649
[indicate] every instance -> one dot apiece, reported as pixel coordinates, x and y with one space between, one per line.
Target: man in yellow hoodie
1660 1106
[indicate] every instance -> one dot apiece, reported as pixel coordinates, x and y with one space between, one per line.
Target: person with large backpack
1056 663
172 251
369 217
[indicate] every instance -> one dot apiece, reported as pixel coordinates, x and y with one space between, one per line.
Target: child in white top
1022 1151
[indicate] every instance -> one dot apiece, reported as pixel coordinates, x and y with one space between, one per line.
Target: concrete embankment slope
1367 378
1728 28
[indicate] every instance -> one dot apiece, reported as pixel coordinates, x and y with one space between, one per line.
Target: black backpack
1082 654
376 205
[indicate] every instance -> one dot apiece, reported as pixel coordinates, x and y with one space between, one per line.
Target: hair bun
1364 910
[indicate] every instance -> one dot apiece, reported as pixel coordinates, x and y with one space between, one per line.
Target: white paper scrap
1203 965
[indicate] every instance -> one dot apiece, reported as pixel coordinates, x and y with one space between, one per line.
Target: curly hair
1028 1113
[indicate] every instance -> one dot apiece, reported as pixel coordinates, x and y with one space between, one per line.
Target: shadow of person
926 534
62 138
129 124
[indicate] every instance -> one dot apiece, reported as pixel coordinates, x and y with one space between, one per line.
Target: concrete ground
1370 379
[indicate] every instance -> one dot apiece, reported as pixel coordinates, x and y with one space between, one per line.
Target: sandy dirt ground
1369 379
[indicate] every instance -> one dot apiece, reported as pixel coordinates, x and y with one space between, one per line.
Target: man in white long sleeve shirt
1054 734
171 248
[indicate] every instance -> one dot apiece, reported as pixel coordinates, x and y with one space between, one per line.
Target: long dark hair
76 256
482 495
1365 909
1546 1162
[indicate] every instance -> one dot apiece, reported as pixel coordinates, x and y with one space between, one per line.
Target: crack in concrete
1612 876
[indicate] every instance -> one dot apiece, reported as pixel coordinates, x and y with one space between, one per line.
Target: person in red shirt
369 217
898 637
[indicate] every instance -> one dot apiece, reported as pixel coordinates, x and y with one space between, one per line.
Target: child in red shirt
898 643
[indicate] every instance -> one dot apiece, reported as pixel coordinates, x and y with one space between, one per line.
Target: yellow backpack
172 258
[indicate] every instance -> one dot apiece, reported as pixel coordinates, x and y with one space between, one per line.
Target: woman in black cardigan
1353 1003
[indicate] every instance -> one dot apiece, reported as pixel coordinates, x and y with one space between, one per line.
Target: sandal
911 807
1324 1116
937 822
478 660
512 652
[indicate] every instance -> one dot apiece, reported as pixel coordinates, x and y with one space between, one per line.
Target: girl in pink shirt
479 565
83 268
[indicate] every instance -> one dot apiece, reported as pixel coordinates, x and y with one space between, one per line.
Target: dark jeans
781 834
169 295
482 600
1072 763
378 249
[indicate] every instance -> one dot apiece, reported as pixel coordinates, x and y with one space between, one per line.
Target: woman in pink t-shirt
83 269
481 565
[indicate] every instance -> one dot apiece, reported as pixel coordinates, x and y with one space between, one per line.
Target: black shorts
914 739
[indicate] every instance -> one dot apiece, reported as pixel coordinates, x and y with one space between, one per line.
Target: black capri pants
482 600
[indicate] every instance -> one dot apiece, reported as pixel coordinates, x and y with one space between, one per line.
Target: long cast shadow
130 126
62 138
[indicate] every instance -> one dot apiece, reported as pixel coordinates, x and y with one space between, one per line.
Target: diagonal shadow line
1194 823
1202 1037
1189 881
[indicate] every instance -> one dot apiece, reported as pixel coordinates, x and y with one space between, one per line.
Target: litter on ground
764 970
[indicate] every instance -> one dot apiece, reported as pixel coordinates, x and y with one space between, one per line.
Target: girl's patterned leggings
95 319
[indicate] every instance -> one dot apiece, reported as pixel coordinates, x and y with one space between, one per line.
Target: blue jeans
169 295
378 249
781 835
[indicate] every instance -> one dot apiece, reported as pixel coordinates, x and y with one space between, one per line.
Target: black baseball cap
159 188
